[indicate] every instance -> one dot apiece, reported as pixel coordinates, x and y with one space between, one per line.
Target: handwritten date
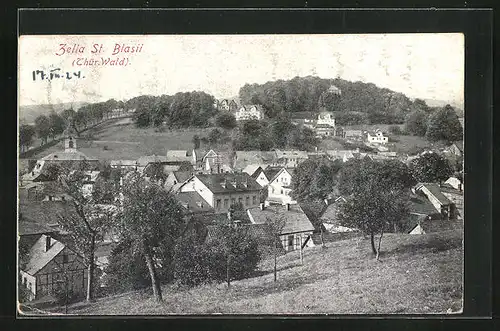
56 74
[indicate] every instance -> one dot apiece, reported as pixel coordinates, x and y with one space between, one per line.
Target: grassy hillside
120 139
416 274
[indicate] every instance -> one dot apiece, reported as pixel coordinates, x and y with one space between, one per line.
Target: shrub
395 129
196 263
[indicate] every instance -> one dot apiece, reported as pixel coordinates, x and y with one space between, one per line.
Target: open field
120 139
416 274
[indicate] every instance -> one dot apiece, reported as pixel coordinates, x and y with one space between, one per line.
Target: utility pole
301 253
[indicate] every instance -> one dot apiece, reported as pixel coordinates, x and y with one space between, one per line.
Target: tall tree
430 168
416 123
314 179
196 141
275 226
374 203
87 218
226 121
42 126
444 125
150 216
57 124
26 133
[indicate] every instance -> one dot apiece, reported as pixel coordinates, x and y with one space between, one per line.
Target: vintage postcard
240 174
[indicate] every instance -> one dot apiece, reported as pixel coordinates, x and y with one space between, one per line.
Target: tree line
51 126
434 123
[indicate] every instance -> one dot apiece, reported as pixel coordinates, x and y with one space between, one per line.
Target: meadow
417 274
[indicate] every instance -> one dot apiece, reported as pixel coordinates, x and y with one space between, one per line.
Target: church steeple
70 137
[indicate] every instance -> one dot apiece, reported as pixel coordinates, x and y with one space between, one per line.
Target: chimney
47 243
262 206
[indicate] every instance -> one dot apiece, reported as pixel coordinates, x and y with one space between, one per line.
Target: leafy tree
375 203
215 136
280 130
196 141
275 226
126 270
42 126
226 121
419 104
57 125
444 125
315 179
68 114
395 129
26 133
151 217
430 168
416 123
142 119
86 219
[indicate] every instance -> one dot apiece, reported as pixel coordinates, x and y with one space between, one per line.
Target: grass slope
416 274
120 139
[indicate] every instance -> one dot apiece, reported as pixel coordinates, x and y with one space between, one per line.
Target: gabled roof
291 154
435 190
296 219
244 158
39 258
248 107
340 154
182 176
66 156
232 182
179 155
272 172
28 227
254 169
145 160
192 202
421 205
45 212
124 163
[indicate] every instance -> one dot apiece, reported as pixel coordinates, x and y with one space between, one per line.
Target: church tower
70 137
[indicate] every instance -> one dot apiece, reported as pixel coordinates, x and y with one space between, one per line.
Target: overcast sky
428 66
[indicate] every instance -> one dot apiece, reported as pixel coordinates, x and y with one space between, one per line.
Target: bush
196 263
395 129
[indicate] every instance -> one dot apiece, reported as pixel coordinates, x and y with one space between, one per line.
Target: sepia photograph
243 174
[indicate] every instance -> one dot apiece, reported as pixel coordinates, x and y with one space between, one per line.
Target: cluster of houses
207 184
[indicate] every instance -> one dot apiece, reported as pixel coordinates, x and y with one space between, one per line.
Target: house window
65 258
254 199
50 197
233 201
290 242
281 191
247 201
226 203
240 200
218 204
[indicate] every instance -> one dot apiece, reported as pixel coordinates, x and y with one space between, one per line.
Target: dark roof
460 145
215 182
257 172
421 205
182 176
45 212
28 227
39 258
271 172
193 202
259 232
310 115
436 192
296 219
